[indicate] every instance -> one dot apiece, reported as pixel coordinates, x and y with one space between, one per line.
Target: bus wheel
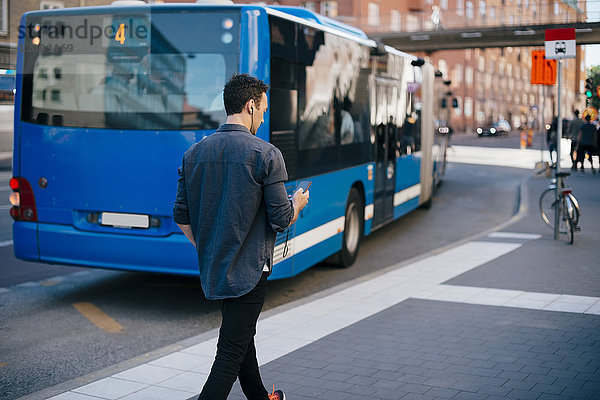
353 229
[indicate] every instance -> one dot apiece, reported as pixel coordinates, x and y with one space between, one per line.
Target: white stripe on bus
332 228
407 194
309 239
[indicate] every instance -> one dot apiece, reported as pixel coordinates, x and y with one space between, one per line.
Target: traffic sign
543 71
560 43
592 112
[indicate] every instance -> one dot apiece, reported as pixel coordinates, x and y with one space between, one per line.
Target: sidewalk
508 314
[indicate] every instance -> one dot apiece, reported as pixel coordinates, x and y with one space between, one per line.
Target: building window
556 8
395 20
309 5
492 14
458 110
373 14
443 67
412 23
460 7
3 17
482 10
51 5
468 76
491 64
481 64
468 107
444 4
470 10
329 8
458 74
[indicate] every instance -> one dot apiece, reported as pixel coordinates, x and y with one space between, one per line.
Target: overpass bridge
515 36
522 23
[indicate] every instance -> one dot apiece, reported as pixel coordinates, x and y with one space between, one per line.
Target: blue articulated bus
109 98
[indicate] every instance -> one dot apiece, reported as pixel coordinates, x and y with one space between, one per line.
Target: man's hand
187 231
299 201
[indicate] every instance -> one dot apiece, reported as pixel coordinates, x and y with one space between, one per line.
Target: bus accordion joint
22 201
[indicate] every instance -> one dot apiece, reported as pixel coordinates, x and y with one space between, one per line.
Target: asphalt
510 313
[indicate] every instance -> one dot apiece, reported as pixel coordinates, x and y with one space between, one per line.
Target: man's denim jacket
231 191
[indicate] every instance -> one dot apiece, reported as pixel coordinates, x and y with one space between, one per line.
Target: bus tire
354 223
427 205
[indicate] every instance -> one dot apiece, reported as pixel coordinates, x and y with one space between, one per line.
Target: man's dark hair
240 89
576 112
588 118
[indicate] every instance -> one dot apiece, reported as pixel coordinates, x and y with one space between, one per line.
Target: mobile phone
304 185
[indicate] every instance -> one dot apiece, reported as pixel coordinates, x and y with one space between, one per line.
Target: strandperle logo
121 31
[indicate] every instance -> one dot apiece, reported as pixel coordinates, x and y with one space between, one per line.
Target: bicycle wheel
547 206
567 219
575 205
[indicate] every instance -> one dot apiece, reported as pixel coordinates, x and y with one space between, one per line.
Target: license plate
121 220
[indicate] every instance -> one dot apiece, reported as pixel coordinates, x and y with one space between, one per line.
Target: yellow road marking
3 364
98 317
50 282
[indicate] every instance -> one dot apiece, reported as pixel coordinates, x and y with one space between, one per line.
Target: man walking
586 143
231 202
572 134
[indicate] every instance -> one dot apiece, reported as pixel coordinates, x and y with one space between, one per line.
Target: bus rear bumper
25 243
63 244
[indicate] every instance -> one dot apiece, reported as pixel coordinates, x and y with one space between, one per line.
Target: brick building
488 84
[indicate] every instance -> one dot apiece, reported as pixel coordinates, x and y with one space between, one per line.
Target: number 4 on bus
120 36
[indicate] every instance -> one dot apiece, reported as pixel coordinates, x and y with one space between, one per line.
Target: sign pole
558 140
542 125
559 44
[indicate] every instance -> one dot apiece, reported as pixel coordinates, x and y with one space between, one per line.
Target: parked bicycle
565 205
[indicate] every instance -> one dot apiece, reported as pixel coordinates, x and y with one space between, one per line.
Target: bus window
162 80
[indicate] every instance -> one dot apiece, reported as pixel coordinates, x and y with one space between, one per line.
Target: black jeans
236 354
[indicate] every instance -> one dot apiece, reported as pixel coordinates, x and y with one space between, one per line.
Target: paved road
155 311
505 314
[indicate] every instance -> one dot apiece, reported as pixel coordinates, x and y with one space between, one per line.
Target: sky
592 55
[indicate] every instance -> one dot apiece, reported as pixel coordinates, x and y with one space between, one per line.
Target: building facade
488 84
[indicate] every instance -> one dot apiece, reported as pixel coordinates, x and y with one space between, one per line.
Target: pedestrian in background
231 202
586 143
573 134
551 136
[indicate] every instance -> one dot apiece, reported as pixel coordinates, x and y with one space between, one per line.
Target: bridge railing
472 16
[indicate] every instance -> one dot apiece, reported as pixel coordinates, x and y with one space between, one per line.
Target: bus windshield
129 71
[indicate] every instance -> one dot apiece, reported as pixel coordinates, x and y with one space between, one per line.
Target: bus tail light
22 201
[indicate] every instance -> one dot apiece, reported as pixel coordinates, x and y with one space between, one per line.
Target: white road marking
513 298
514 235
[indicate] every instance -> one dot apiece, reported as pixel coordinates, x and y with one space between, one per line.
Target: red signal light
14 184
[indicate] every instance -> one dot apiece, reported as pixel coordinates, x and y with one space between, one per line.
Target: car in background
498 128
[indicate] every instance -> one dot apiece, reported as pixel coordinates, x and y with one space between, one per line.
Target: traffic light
589 87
